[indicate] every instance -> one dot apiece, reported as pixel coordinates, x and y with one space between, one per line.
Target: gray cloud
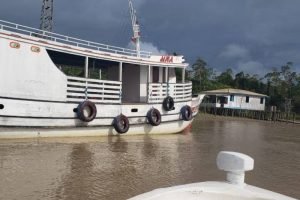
234 51
265 32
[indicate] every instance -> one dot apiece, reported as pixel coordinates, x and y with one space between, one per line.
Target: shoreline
217 117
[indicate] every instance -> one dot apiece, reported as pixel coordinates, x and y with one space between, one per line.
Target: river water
116 168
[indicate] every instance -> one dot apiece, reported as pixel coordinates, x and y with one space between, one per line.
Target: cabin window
247 99
1 106
262 100
103 69
231 97
69 64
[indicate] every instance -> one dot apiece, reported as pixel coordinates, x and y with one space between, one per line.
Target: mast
136 28
47 16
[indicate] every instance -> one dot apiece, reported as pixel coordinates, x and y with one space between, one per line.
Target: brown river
116 168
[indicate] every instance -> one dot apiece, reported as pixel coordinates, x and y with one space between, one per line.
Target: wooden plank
94 95
93 80
100 90
104 86
93 100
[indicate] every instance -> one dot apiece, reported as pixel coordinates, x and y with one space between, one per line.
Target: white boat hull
163 128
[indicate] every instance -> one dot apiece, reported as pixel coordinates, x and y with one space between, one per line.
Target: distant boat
235 164
56 85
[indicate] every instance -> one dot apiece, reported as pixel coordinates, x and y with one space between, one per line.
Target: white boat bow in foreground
235 164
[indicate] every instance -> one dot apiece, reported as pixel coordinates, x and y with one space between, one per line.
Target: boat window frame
70 54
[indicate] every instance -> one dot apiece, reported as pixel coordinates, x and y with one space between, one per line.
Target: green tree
225 78
202 75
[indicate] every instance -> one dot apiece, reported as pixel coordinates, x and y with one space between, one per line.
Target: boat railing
178 91
54 37
98 91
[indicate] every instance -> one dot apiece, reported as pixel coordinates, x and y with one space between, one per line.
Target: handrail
100 91
17 28
157 92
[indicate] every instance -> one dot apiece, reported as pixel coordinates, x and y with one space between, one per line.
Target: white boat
56 85
235 164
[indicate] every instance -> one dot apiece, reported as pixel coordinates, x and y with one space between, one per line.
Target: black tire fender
154 117
186 113
121 124
168 103
86 111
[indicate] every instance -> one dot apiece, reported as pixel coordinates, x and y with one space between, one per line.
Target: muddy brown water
116 168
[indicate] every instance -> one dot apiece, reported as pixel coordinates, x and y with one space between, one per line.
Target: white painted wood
240 103
179 91
98 90
120 71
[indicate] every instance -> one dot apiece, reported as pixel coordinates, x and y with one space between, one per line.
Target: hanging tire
121 124
154 117
187 113
86 111
168 103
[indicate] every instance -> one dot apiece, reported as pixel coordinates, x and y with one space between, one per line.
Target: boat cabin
88 70
140 83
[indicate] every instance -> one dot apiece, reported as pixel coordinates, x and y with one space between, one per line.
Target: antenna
47 16
136 28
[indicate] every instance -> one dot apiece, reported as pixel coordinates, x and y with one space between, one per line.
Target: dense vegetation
281 84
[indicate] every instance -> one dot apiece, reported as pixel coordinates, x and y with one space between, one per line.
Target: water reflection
81 169
117 144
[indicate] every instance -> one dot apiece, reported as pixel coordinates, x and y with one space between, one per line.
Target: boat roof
88 47
229 91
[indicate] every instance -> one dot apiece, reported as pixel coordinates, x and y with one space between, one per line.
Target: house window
223 100
262 100
231 97
247 99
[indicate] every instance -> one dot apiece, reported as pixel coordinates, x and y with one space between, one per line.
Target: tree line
281 84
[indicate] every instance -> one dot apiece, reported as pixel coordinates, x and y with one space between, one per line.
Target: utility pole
136 28
47 16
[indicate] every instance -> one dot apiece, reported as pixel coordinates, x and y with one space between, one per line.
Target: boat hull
137 129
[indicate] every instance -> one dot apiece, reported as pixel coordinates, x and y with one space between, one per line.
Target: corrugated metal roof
233 91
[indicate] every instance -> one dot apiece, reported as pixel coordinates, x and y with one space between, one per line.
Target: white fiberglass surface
198 195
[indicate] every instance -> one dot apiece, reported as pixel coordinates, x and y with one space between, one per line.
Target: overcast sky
248 35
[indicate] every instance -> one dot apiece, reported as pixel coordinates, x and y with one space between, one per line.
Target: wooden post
149 74
167 74
120 71
86 67
294 117
183 75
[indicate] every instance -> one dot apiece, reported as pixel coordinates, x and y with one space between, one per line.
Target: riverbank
242 118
